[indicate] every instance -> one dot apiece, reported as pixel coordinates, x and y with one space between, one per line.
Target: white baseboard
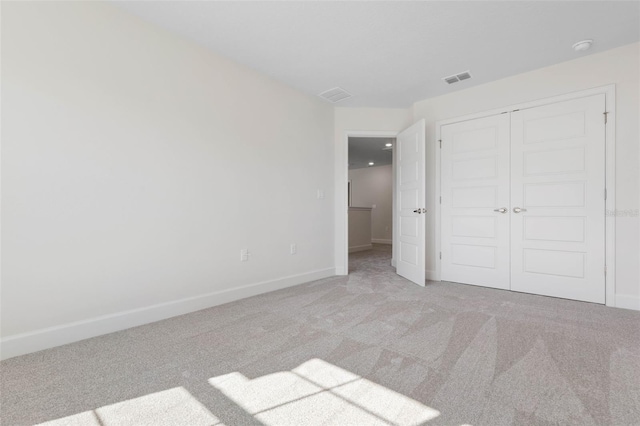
628 302
380 241
360 248
430 275
50 337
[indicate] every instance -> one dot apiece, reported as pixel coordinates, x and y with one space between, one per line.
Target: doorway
409 202
370 192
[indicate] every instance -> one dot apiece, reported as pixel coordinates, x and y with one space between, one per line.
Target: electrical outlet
320 194
293 248
244 255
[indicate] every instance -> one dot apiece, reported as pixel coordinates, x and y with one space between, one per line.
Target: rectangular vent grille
457 77
334 95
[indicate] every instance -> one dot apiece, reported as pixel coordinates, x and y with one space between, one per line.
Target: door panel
410 203
558 177
474 182
554 195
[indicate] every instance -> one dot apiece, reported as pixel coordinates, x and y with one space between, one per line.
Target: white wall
372 186
619 66
364 122
136 165
359 229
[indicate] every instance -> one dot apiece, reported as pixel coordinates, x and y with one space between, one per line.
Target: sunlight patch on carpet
320 393
174 406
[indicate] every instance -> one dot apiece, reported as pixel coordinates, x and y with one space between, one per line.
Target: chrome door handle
417 211
502 210
518 210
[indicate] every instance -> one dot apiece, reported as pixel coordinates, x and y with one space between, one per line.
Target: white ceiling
391 54
365 150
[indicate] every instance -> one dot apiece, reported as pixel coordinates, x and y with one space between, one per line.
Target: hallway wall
372 186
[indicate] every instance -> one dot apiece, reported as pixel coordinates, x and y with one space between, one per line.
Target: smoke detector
334 95
583 45
457 77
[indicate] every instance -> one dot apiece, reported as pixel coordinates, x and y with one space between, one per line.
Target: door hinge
605 270
440 255
441 199
606 114
605 193
440 140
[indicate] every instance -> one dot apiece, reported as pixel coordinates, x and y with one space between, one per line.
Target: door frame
342 229
610 173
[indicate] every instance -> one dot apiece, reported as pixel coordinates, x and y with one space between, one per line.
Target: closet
523 200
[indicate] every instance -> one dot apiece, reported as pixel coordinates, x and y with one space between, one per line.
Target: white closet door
475 202
557 199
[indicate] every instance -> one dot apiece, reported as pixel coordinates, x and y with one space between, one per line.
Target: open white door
410 206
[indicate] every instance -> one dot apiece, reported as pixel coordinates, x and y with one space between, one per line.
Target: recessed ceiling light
388 144
371 163
583 45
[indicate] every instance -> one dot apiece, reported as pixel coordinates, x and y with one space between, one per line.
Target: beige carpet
366 349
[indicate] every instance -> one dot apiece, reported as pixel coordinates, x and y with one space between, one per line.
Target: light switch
244 255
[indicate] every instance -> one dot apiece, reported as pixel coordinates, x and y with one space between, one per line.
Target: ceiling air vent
334 95
457 77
